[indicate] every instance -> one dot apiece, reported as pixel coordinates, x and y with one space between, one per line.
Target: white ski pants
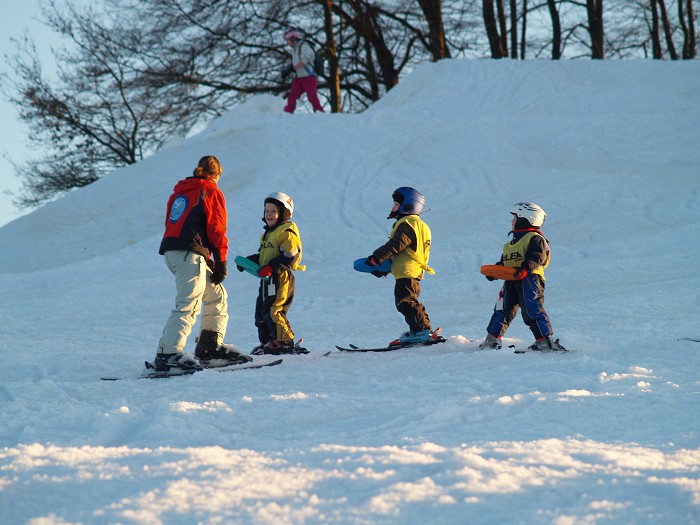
194 292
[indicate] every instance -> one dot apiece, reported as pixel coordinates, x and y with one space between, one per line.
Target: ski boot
491 341
279 347
176 361
545 344
209 349
418 337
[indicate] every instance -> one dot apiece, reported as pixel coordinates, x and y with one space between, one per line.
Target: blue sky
18 16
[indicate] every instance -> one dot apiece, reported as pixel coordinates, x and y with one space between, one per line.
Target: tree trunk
688 28
432 9
503 26
667 30
523 31
556 29
489 15
689 49
657 53
332 56
513 29
371 29
595 28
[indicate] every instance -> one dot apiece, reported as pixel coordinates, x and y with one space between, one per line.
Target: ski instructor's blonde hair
208 166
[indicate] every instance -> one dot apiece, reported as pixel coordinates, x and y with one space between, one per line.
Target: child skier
278 256
528 251
409 251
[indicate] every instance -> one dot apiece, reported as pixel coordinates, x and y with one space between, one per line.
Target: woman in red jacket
195 248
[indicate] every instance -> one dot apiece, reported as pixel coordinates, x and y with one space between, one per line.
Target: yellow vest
410 263
514 253
285 239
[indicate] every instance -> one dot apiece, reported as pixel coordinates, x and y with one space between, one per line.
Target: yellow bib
410 263
283 239
514 253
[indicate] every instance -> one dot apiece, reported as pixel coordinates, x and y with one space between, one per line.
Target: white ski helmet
530 212
277 197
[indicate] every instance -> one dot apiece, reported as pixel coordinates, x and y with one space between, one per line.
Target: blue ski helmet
410 200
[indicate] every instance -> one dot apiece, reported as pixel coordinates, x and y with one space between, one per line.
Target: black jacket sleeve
404 237
536 254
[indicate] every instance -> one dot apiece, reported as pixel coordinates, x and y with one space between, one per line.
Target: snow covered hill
448 434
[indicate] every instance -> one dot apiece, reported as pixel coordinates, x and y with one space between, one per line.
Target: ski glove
219 272
520 274
372 261
286 73
265 271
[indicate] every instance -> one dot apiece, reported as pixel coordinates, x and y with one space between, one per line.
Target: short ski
297 350
152 374
396 345
538 351
390 348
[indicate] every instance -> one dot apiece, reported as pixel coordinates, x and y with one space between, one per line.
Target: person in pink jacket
305 78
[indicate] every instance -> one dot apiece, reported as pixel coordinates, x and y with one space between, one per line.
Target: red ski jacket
196 219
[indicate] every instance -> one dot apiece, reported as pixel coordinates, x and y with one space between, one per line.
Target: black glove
379 274
372 261
286 73
255 258
490 278
219 272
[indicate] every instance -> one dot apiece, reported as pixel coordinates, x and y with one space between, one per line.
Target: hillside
605 434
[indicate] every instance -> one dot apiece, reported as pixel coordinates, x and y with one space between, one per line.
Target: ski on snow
438 339
151 373
538 351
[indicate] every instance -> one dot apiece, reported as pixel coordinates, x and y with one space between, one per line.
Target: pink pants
303 85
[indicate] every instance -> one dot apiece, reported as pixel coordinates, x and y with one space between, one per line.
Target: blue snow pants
528 296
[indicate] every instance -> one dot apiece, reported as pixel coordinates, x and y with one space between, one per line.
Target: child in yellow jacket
409 250
279 256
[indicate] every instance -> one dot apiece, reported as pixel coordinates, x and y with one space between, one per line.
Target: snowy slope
449 434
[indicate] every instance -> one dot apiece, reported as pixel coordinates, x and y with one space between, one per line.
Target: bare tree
514 29
688 28
331 53
667 29
498 50
437 44
556 29
95 117
594 9
139 72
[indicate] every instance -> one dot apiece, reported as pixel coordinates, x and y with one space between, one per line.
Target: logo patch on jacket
178 208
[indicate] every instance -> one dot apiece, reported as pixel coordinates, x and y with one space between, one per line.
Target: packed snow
449 434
